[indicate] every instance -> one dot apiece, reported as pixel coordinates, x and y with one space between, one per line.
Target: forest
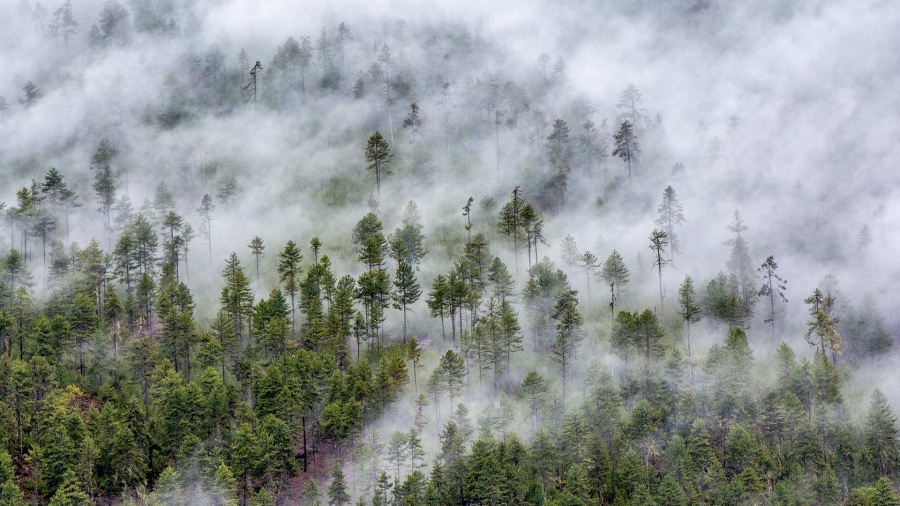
624 253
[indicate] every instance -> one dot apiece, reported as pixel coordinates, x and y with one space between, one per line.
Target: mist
781 110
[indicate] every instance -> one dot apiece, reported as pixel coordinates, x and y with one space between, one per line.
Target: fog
812 158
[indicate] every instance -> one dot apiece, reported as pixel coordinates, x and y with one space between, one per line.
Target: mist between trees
477 254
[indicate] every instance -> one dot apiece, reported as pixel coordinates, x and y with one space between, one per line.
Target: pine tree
589 263
10 495
559 155
689 310
773 285
256 249
408 242
627 147
413 123
630 103
739 264
453 371
236 298
569 250
289 271
338 494
421 421
614 272
32 95
866 239
659 241
670 214
881 436
568 333
205 211
533 389
438 301
406 290
378 155
106 182
824 324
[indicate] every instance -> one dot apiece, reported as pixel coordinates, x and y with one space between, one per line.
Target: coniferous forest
397 254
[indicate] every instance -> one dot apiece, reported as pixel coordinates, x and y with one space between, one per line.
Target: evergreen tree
256 249
452 372
589 262
32 95
236 298
378 155
670 214
659 240
406 290
881 436
739 263
614 272
689 310
533 389
773 285
106 182
407 242
568 333
824 323
338 494
569 250
559 155
438 301
289 271
205 211
627 147
630 103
